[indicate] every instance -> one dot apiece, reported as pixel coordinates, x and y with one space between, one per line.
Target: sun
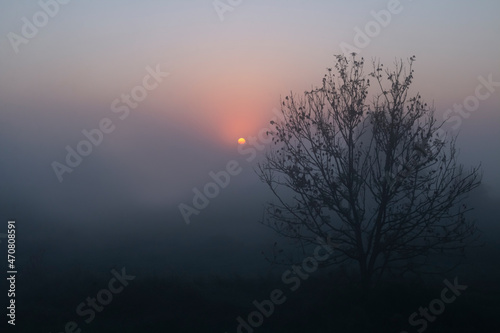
241 141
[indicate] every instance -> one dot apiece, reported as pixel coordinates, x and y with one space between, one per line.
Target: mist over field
121 167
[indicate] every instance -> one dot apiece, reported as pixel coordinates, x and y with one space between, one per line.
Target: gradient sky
225 79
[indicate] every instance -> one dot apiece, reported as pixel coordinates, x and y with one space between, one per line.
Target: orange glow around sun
241 141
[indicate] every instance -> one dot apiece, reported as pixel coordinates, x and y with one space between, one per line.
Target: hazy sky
225 77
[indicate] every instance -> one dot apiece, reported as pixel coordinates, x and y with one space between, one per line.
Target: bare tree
374 178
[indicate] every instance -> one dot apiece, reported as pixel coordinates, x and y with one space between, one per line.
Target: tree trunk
365 276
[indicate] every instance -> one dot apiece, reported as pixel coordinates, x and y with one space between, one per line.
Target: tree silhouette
374 178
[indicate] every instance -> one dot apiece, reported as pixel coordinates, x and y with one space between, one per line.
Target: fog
119 124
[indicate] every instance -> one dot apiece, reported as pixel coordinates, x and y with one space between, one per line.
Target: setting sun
241 141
